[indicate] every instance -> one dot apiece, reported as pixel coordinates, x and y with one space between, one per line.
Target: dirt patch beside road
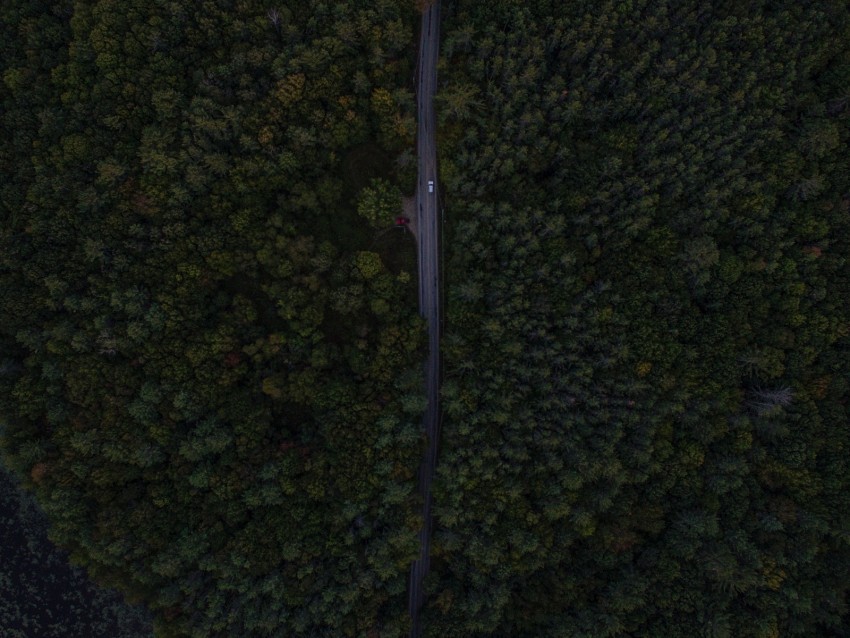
408 205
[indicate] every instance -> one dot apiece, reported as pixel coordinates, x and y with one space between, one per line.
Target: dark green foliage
210 364
646 357
209 379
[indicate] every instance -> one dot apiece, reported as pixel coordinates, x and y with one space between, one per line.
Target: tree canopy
646 352
211 358
210 379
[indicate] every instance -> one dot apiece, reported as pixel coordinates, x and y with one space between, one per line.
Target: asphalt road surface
427 209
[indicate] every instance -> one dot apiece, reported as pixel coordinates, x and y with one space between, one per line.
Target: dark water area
41 594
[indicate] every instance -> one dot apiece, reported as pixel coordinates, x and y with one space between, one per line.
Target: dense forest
646 354
211 352
211 358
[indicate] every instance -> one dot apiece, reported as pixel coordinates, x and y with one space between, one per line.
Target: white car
430 186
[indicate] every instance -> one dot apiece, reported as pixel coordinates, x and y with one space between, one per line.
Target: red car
401 221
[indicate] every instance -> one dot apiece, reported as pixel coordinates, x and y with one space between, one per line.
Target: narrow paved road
429 292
